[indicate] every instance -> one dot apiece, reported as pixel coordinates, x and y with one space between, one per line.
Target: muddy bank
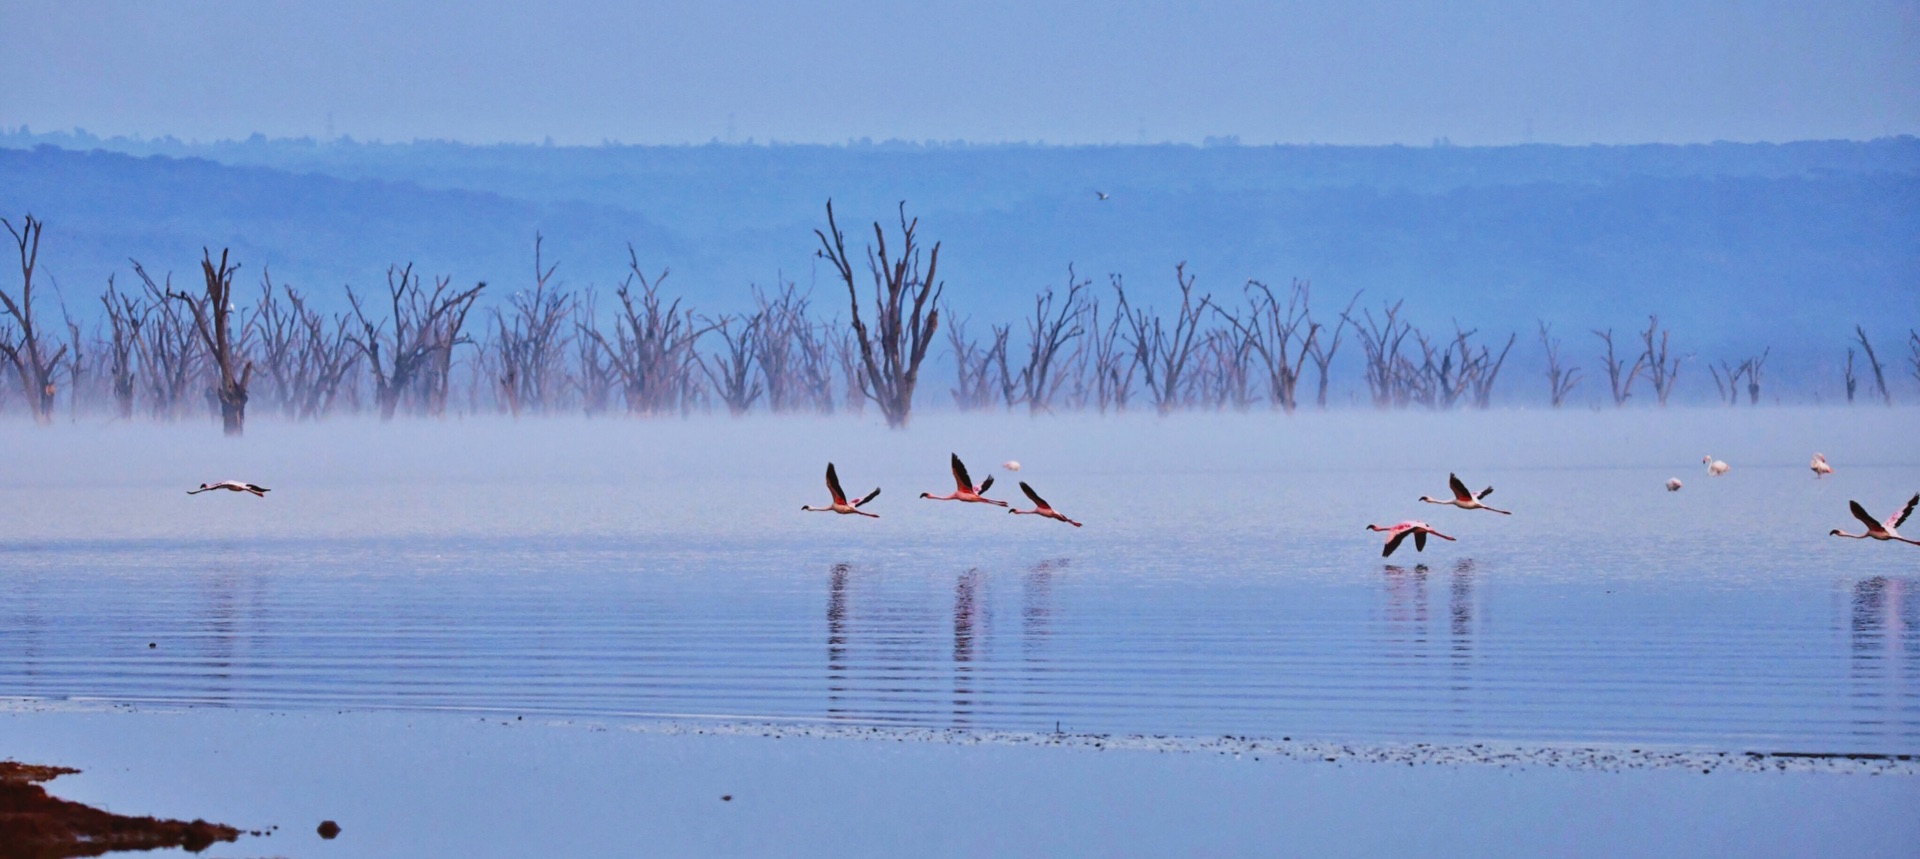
35 825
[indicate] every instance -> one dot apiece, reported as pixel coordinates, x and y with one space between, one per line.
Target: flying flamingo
1011 465
840 503
1881 530
231 486
1040 506
1820 466
1674 484
1715 467
1464 499
964 488
1399 532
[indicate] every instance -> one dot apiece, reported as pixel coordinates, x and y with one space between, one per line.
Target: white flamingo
840 503
964 490
1715 467
1674 484
231 486
1465 499
1881 530
1820 466
1398 532
1011 465
1040 507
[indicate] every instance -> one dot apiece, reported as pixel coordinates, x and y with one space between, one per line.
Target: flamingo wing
1484 493
870 496
1460 490
960 477
984 486
1037 500
1901 519
1393 543
1861 514
1420 540
833 486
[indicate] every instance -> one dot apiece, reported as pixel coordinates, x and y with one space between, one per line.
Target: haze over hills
1738 247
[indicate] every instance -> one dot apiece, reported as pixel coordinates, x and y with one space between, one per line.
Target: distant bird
1674 484
1103 195
840 503
1011 465
1715 467
1398 533
1040 506
1820 466
964 489
231 486
1464 499
1881 530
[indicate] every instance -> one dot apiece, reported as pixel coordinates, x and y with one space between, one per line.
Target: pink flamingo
965 490
1820 466
1398 532
840 503
231 486
1881 530
1464 499
1040 507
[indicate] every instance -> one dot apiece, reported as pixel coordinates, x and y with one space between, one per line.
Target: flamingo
1674 484
1820 466
1011 465
964 488
840 503
1464 499
1040 506
1398 532
1881 530
1715 467
231 486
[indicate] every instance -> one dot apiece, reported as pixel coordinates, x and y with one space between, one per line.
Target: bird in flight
1887 530
1040 507
964 490
1464 499
1397 533
231 486
1674 484
1820 466
840 503
1103 195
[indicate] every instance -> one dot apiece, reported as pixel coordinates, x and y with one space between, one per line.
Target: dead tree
168 350
1754 366
417 340
76 362
1726 379
21 342
125 316
530 341
1486 371
905 312
1662 370
976 386
1271 331
653 343
213 320
1050 330
1161 351
1873 362
732 371
1560 380
1913 353
852 369
595 378
1620 377
1852 382
1112 369
1324 348
1387 376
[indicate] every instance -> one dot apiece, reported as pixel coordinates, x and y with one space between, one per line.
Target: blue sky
584 71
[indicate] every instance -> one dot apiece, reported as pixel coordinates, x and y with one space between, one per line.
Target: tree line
417 347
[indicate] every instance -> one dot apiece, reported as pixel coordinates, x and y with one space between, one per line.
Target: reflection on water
1884 652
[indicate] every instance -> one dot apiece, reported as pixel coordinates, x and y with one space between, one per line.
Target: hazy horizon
1488 73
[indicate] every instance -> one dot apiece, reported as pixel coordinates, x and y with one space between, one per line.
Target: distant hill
1737 246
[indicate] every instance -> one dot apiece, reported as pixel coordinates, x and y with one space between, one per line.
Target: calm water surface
1223 584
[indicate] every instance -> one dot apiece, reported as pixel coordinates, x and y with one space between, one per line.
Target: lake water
1223 584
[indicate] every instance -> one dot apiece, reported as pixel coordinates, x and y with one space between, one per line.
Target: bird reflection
1883 626
1407 605
965 615
837 634
1036 608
